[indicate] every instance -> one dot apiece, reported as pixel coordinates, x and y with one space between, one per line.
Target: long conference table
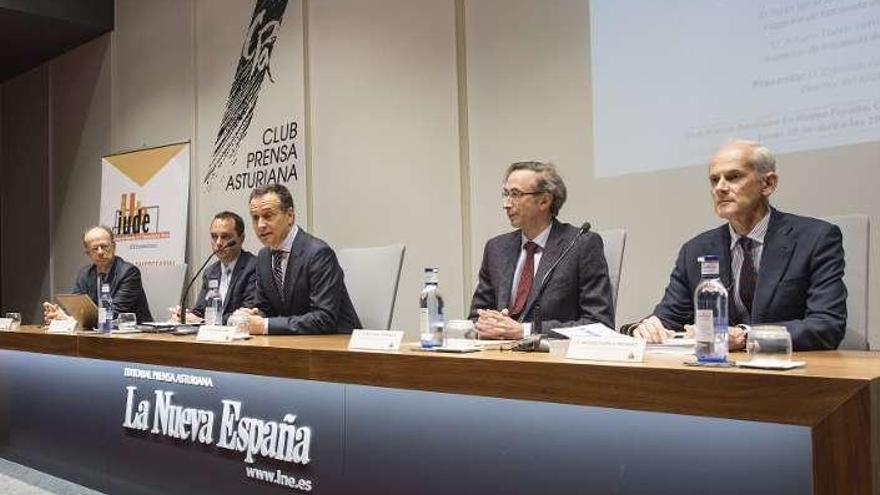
153 413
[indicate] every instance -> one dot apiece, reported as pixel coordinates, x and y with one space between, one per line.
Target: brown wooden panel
186 352
661 384
35 339
842 449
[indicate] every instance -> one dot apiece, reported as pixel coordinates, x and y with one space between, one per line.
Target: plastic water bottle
105 310
431 318
710 321
213 313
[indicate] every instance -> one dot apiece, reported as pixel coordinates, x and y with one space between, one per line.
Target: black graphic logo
253 67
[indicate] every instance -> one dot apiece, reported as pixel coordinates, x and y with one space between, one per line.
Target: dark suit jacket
242 286
314 299
800 280
577 293
125 288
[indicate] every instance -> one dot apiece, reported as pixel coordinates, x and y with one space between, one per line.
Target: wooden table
837 395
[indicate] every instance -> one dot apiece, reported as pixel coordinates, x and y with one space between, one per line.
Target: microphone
182 311
535 342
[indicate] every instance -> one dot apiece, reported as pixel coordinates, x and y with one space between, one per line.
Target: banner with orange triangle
144 198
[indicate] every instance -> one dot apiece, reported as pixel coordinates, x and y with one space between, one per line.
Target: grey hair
105 228
760 158
549 181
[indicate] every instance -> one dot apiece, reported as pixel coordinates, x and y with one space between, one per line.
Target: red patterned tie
526 277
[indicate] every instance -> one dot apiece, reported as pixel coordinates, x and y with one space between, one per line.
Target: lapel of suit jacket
556 243
295 262
236 274
112 277
778 246
510 255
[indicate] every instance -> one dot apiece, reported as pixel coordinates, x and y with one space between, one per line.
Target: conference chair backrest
856 235
163 284
371 277
615 242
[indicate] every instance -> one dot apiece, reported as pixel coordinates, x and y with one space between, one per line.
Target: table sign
216 333
375 340
621 349
62 326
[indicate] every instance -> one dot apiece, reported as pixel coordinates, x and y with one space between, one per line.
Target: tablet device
81 308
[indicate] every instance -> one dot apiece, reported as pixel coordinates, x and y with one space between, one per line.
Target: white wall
385 138
390 105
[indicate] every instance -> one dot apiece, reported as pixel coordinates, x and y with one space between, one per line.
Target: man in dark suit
107 268
578 292
300 286
233 276
779 268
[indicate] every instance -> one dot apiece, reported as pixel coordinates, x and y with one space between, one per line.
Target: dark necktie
748 276
277 270
526 277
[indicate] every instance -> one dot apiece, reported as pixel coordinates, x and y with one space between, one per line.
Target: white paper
5 323
592 330
770 364
375 340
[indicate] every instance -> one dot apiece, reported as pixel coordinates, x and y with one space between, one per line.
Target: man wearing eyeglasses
124 278
514 265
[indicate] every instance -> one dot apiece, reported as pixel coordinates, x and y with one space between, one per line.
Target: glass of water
16 320
460 334
769 343
127 321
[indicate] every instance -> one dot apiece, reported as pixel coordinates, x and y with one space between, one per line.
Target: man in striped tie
300 286
516 264
779 268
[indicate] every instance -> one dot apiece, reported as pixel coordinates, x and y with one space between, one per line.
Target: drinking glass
16 320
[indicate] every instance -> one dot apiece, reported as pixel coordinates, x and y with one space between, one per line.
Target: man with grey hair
779 268
514 265
123 278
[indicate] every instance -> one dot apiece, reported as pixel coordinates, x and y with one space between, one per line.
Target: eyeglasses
516 194
99 247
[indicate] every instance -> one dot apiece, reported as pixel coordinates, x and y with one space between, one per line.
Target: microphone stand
535 342
181 315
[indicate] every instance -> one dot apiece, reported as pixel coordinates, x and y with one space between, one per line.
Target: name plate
5 323
607 349
62 326
375 340
216 333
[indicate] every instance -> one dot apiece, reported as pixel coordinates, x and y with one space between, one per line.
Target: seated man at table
578 292
107 268
300 287
779 268
233 276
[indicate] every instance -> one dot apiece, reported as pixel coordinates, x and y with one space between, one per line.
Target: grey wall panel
80 96
25 193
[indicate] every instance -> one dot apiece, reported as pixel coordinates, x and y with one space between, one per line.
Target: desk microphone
535 342
182 312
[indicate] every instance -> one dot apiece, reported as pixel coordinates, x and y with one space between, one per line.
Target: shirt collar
287 245
757 234
540 239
